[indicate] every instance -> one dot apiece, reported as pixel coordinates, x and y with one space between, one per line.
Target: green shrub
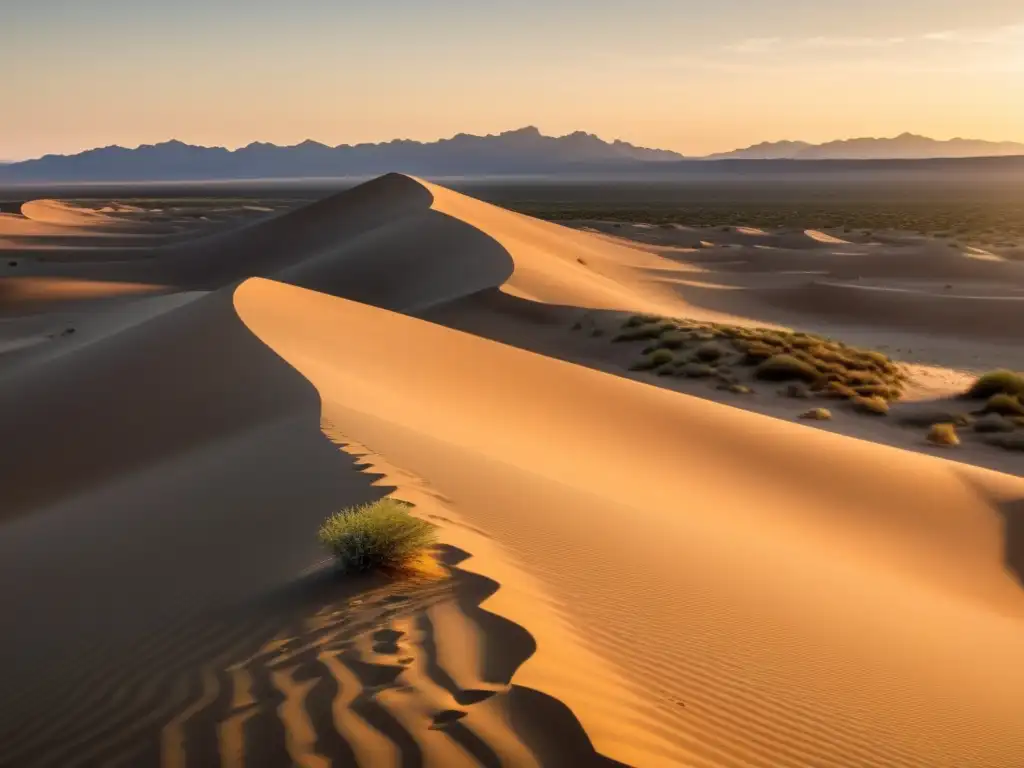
674 339
943 434
1000 382
381 534
786 368
709 352
661 356
1004 405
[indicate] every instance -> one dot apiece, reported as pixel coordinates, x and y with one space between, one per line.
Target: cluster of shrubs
819 365
998 413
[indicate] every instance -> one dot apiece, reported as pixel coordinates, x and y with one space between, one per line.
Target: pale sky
689 75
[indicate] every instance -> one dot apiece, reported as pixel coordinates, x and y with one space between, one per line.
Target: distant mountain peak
905 146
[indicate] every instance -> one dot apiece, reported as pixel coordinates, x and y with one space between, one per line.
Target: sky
689 75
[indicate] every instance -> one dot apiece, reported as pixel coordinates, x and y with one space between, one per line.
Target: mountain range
522 151
907 146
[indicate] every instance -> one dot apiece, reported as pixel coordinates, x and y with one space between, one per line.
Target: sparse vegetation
817 414
1004 405
944 435
381 534
813 364
1000 382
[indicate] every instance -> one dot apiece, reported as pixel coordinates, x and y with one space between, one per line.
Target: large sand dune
636 576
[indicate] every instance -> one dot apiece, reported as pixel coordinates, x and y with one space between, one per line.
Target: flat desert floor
634 569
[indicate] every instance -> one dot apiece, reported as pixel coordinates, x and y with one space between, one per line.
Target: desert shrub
1004 405
785 368
817 414
661 356
872 406
674 339
1000 382
378 535
993 423
709 352
943 434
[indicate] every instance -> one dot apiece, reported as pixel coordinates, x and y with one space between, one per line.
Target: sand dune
64 215
634 575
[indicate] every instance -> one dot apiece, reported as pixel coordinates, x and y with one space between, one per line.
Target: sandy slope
763 660
634 575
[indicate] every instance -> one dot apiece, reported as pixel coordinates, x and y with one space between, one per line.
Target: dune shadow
314 662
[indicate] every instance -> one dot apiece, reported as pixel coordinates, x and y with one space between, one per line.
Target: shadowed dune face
635 576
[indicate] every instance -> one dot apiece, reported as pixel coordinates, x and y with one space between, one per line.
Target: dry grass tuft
944 435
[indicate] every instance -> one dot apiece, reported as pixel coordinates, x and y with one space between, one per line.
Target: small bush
378 535
709 353
674 339
661 356
1001 382
943 434
817 414
785 368
1004 405
872 406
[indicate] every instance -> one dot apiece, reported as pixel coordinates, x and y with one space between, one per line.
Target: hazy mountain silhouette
522 151
907 146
